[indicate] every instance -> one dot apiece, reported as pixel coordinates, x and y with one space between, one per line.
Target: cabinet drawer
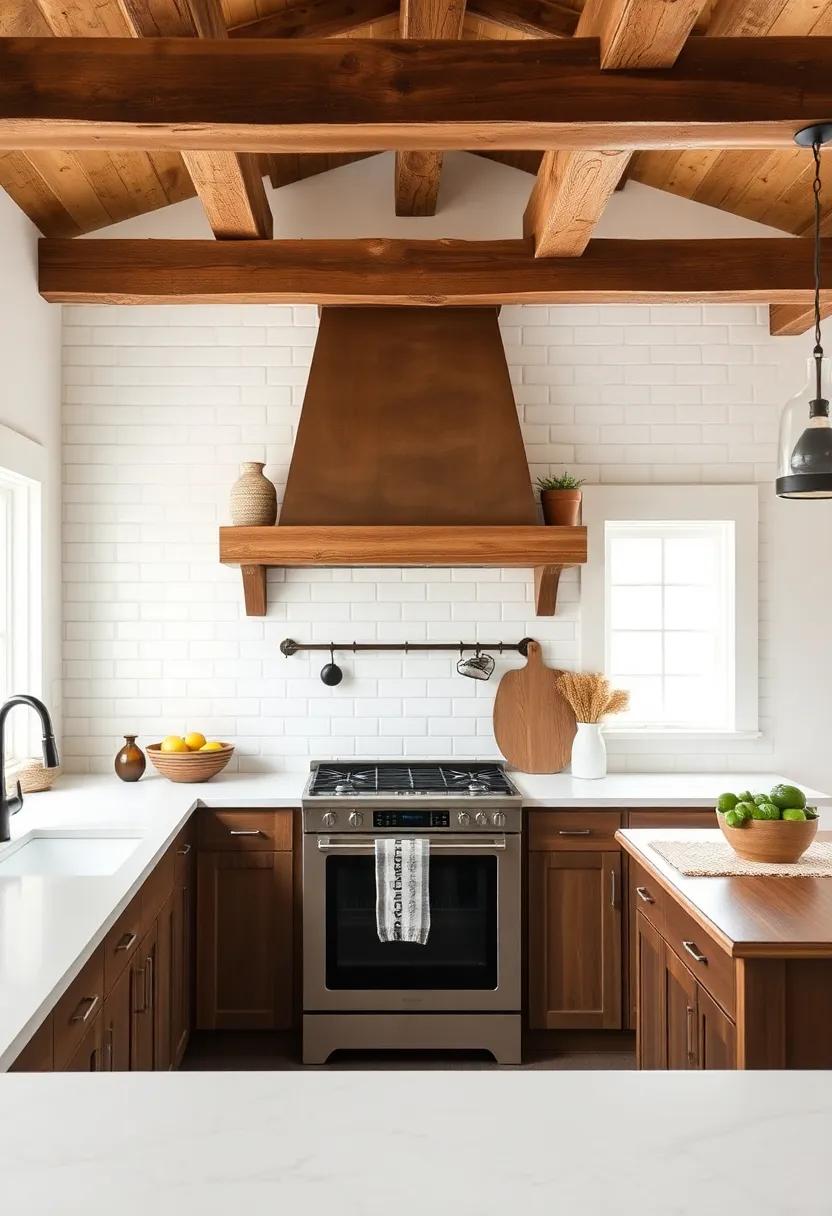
264 831
674 818
121 941
648 897
157 887
573 830
77 1008
701 954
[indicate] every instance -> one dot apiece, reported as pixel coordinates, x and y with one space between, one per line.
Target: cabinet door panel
681 1014
717 1035
182 955
117 1024
651 1044
143 988
244 941
88 1055
575 940
163 982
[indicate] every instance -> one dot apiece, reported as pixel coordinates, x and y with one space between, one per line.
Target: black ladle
331 673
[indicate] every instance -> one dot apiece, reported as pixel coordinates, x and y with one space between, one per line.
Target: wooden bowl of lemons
190 757
775 827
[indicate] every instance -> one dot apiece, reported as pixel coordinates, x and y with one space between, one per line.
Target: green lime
726 802
766 810
794 814
786 796
733 820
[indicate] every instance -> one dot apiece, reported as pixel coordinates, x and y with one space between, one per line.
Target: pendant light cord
816 187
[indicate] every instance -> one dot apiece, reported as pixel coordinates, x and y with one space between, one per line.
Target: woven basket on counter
34 778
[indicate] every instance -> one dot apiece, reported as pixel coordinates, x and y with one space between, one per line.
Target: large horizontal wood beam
315 19
352 96
440 272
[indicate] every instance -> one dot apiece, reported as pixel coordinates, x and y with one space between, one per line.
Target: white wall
30 402
162 404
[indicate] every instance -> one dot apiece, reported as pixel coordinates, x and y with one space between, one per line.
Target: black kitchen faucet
10 805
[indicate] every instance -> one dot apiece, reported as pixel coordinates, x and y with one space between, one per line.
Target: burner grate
426 778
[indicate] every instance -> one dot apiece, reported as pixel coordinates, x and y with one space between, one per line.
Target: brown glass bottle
130 762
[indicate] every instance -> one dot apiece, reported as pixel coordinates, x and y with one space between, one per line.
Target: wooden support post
254 589
546 579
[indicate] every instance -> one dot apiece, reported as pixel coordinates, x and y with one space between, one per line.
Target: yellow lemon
173 743
213 746
195 740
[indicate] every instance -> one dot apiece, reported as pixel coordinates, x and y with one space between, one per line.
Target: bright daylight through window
670 621
20 605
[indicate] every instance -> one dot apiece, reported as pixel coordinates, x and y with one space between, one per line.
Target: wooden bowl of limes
178 761
774 827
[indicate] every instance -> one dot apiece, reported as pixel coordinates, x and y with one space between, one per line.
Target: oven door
472 957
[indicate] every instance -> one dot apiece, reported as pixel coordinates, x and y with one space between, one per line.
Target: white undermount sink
66 854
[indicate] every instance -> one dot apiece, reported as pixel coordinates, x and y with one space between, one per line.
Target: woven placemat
716 859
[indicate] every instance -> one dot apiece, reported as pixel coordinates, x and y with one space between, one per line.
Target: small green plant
564 482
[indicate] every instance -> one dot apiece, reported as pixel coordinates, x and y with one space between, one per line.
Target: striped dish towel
402 890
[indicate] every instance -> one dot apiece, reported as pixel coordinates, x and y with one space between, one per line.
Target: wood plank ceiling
69 193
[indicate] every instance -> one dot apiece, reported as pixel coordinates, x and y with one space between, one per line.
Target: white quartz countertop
479 1143
49 926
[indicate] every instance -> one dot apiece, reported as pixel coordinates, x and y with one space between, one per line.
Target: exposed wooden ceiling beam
573 188
418 173
328 95
316 19
229 184
789 320
534 18
440 272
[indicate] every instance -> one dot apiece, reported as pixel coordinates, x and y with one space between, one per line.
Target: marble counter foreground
409 1143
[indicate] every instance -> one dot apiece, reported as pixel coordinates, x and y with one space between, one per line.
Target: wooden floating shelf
544 549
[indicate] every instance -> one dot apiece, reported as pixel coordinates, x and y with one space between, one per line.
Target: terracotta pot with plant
560 498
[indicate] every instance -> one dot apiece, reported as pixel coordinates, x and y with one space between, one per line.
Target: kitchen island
472 1143
731 972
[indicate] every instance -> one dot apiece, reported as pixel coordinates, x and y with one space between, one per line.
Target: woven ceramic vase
253 497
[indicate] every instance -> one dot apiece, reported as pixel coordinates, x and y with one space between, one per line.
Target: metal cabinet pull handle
244 832
690 1027
644 895
574 831
110 1052
126 941
185 850
148 984
141 988
613 890
90 1002
695 953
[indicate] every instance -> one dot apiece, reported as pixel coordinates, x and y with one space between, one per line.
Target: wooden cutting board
533 724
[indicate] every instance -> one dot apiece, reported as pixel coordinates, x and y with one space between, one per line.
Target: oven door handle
363 844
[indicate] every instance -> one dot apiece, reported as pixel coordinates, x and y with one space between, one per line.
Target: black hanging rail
289 647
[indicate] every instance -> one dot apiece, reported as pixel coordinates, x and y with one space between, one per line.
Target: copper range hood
408 453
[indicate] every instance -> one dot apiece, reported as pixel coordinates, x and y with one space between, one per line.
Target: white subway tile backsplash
161 405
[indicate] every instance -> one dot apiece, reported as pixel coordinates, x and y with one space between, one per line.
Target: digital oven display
411 819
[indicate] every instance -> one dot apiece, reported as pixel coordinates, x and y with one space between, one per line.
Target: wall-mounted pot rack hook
289 646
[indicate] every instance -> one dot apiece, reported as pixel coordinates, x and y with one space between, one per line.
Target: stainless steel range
461 989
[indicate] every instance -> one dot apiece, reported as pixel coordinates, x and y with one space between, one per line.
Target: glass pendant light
804 465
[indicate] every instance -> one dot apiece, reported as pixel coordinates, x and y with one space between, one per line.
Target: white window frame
22 473
738 504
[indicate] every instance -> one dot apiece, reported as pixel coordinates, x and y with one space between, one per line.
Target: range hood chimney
408 453
408 418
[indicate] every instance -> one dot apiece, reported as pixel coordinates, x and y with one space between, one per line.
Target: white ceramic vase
253 497
589 752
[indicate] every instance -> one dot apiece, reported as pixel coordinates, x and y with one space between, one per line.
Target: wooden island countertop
731 972
748 916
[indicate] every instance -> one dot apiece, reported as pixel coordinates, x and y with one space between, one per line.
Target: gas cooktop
427 779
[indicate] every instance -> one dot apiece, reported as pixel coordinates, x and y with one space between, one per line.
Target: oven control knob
463 819
329 819
498 819
481 819
356 819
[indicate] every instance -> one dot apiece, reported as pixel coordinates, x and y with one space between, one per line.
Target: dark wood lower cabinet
143 1020
244 940
118 1021
575 940
680 1026
89 1054
182 949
